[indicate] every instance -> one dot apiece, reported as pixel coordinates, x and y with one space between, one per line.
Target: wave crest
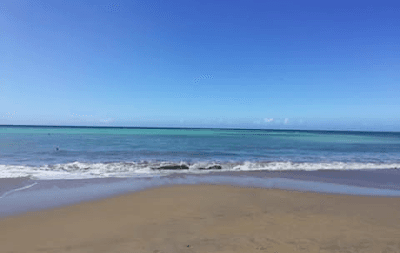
80 170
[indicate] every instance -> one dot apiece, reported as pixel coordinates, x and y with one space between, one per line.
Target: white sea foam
81 170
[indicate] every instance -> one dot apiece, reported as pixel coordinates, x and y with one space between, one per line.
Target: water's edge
22 195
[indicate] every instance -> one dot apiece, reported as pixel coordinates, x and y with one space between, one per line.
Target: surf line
19 189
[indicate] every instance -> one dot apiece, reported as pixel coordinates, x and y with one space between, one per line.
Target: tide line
19 189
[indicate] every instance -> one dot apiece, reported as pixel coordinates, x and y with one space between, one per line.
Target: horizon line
222 128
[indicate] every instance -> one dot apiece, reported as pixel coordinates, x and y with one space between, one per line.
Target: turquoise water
81 152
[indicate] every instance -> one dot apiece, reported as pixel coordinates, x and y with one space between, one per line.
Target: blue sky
247 64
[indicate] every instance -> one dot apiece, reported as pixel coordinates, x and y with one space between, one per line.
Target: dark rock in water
172 167
57 149
214 167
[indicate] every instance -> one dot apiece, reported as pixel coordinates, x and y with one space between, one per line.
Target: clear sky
240 64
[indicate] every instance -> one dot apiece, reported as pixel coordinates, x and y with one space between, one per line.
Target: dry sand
210 218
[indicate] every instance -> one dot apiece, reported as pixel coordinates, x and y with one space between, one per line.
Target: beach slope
210 218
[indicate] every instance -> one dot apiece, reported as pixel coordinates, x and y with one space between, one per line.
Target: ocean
48 152
48 167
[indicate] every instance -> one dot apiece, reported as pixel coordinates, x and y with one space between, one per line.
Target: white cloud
109 120
268 120
286 121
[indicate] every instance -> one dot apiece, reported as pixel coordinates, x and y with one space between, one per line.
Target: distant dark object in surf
172 167
57 149
185 167
214 167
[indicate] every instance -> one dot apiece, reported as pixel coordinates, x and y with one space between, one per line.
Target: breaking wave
81 170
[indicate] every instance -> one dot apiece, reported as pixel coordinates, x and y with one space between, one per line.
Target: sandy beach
210 218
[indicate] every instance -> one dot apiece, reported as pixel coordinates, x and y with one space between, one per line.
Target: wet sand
210 218
8 184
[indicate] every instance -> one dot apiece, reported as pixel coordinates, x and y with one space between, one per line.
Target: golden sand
210 218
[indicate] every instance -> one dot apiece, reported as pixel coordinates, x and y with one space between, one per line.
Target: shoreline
18 196
210 218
